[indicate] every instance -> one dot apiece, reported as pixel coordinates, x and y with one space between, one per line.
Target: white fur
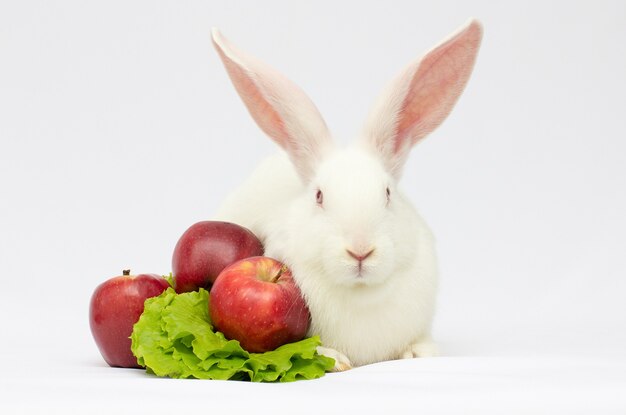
370 318
382 307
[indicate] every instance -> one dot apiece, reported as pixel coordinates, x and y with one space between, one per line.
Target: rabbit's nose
360 256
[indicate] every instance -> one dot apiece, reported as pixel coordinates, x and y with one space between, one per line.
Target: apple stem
126 272
279 273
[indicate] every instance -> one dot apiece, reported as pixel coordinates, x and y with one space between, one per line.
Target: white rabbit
360 253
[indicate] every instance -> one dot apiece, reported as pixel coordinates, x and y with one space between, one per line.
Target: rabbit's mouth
358 267
362 261
371 272
362 279
362 273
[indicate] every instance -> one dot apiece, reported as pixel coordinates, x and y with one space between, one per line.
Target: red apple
257 302
206 248
115 307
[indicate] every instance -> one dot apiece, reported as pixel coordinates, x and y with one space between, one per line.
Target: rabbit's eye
319 197
388 194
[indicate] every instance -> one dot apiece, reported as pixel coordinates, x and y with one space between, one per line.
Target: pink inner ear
260 109
436 86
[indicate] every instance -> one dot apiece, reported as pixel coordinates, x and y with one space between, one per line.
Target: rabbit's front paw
342 362
423 348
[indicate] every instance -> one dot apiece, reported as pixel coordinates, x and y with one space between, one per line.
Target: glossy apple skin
262 314
206 248
115 307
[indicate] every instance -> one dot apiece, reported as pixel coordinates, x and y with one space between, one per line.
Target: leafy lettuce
174 337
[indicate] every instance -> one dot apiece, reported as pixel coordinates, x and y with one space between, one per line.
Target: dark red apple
206 248
115 307
257 302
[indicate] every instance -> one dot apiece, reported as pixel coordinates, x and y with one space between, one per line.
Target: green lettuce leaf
170 279
174 337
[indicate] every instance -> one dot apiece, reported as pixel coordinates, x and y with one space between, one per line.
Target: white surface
486 385
119 129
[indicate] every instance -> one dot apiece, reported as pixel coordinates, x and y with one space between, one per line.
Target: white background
119 128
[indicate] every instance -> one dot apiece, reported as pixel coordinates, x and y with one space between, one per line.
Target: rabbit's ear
418 100
279 107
